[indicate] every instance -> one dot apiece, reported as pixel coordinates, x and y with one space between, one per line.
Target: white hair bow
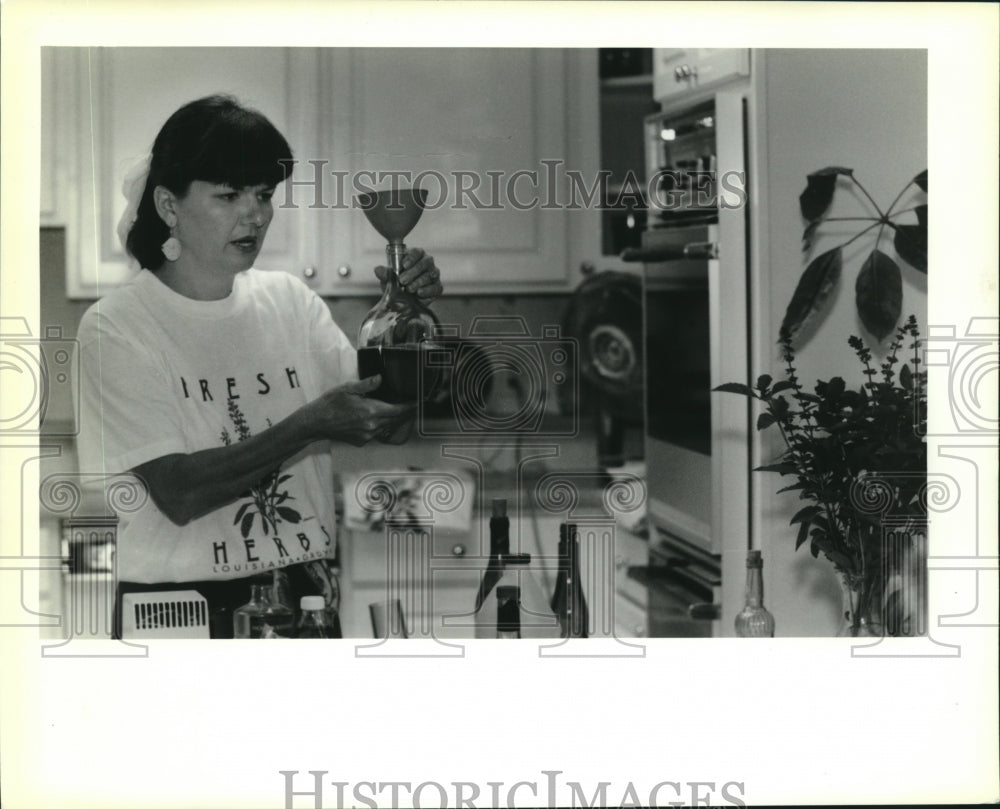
132 187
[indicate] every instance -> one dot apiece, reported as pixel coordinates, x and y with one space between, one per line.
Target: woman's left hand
420 275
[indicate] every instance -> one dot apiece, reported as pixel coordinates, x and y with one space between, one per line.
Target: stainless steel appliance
694 257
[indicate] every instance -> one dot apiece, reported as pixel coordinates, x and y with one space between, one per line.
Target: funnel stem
394 252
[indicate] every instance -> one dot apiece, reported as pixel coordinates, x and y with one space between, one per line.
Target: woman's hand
345 413
420 275
187 486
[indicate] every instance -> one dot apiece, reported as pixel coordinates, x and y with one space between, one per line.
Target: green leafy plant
837 439
878 288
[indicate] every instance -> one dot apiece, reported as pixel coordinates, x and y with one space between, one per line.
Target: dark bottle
312 618
754 621
263 616
568 601
508 613
499 546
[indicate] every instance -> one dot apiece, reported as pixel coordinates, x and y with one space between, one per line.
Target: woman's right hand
346 413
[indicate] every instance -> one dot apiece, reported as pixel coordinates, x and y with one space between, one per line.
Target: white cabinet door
483 120
120 99
489 132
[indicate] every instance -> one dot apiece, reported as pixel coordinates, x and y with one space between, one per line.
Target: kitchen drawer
368 559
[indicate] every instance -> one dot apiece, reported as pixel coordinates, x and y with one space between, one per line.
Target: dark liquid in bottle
407 375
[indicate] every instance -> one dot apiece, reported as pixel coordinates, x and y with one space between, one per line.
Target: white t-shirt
164 374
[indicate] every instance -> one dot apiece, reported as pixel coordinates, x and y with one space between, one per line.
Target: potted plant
841 445
856 456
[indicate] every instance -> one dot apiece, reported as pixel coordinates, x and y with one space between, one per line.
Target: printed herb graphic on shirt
266 502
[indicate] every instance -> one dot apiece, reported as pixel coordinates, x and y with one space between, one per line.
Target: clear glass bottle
508 613
312 618
263 616
568 601
399 326
754 621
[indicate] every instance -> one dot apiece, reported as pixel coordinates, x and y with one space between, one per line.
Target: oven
694 257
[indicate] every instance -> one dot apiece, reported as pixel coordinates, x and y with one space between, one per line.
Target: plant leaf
246 524
879 294
906 377
780 385
910 241
763 381
818 194
784 468
765 420
921 180
814 287
734 387
808 233
805 515
803 535
289 514
240 513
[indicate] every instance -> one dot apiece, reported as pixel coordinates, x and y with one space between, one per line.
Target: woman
220 385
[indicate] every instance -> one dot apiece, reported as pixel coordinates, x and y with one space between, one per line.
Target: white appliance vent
164 614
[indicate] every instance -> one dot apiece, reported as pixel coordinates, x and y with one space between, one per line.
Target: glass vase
861 615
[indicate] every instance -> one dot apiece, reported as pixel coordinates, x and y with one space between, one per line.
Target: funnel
394 213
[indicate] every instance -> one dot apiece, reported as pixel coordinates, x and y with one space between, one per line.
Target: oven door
677 297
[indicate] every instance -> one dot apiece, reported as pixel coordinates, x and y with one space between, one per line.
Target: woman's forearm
187 486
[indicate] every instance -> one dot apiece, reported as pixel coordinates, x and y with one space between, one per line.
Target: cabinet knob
458 550
343 270
309 272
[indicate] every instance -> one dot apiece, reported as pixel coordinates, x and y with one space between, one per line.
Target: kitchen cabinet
685 73
491 134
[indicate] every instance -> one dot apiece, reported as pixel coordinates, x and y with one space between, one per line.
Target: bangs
215 140
243 150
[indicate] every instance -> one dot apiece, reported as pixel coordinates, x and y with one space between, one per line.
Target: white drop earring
171 248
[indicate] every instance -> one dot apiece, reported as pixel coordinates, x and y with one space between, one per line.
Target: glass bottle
499 546
568 601
312 618
399 326
263 616
536 617
754 621
508 613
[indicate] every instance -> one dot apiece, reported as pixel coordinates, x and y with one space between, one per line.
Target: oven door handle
671 252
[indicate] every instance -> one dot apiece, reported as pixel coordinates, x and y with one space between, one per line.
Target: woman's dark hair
216 140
